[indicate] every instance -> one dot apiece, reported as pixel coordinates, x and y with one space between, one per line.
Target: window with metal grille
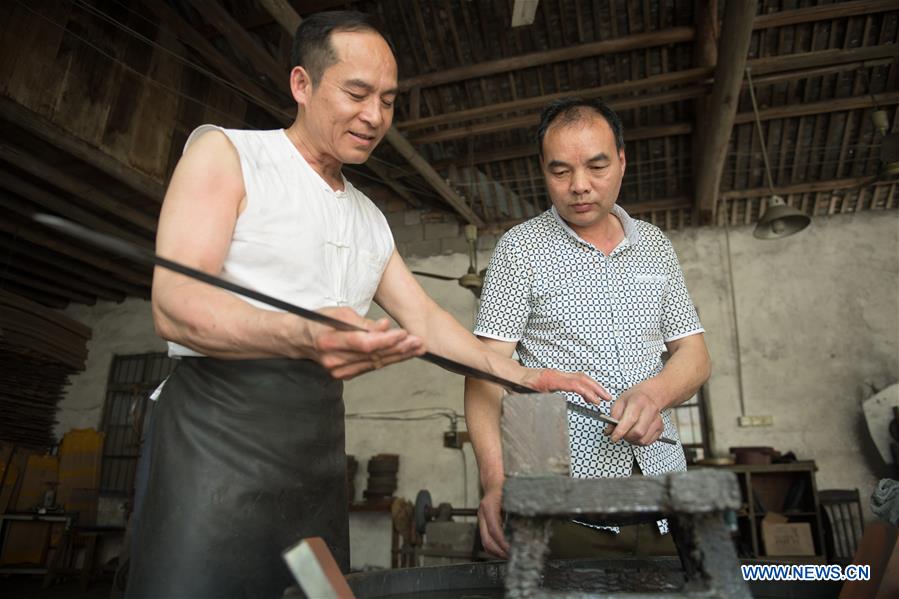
691 421
131 380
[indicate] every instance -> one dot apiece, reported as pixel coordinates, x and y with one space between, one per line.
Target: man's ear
623 161
300 85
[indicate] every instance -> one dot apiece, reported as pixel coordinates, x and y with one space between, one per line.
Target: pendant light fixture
779 220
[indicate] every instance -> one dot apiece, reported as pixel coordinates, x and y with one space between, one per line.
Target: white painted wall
818 316
116 329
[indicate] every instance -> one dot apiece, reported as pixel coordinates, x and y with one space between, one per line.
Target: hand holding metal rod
146 256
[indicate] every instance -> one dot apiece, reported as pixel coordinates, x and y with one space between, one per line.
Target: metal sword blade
145 256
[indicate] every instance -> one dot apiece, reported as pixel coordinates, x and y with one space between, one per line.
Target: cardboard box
784 538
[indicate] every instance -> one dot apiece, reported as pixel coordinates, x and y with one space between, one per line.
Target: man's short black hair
312 48
571 110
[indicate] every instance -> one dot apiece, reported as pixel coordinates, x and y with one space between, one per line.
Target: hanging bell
780 220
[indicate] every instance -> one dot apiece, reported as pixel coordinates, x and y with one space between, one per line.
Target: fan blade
434 276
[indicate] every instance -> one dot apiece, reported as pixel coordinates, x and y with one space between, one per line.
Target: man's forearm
446 337
684 373
220 325
483 409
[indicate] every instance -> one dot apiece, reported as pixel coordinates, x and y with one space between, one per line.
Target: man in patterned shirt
584 287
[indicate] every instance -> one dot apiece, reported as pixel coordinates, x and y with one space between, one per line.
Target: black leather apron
248 457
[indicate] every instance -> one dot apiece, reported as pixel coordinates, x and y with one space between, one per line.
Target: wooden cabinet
788 489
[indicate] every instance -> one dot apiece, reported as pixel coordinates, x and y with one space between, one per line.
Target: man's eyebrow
556 164
601 157
361 84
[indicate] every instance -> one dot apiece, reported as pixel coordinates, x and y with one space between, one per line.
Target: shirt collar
631 233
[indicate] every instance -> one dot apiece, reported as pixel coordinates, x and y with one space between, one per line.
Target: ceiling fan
473 280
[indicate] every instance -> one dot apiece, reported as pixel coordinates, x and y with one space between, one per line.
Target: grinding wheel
422 505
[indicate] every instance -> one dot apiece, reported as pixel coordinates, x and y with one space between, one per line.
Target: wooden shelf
787 489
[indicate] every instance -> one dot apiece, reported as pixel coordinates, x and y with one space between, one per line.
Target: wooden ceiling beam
45 299
641 41
532 119
216 15
290 22
821 58
800 188
231 72
34 283
34 166
638 134
23 251
64 207
51 240
789 66
736 31
638 41
614 89
835 105
25 264
825 12
55 135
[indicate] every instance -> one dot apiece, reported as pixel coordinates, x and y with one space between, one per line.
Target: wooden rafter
825 12
16 248
62 206
637 41
42 236
36 167
736 32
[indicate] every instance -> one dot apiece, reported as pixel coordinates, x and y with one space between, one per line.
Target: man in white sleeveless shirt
248 447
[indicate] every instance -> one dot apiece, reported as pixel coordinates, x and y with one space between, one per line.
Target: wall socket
766 420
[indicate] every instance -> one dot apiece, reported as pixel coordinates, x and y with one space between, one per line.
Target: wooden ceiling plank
782 65
210 53
45 299
736 32
56 274
57 136
512 63
615 89
531 149
814 108
44 237
447 193
807 187
529 120
32 282
826 12
95 277
263 62
66 208
36 167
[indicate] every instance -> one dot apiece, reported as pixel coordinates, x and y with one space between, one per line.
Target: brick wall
424 232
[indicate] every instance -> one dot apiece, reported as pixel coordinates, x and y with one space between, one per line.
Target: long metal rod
146 256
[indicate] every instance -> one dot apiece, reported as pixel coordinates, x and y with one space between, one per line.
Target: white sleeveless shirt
297 239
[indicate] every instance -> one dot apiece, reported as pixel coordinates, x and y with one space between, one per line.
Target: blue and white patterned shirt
570 307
